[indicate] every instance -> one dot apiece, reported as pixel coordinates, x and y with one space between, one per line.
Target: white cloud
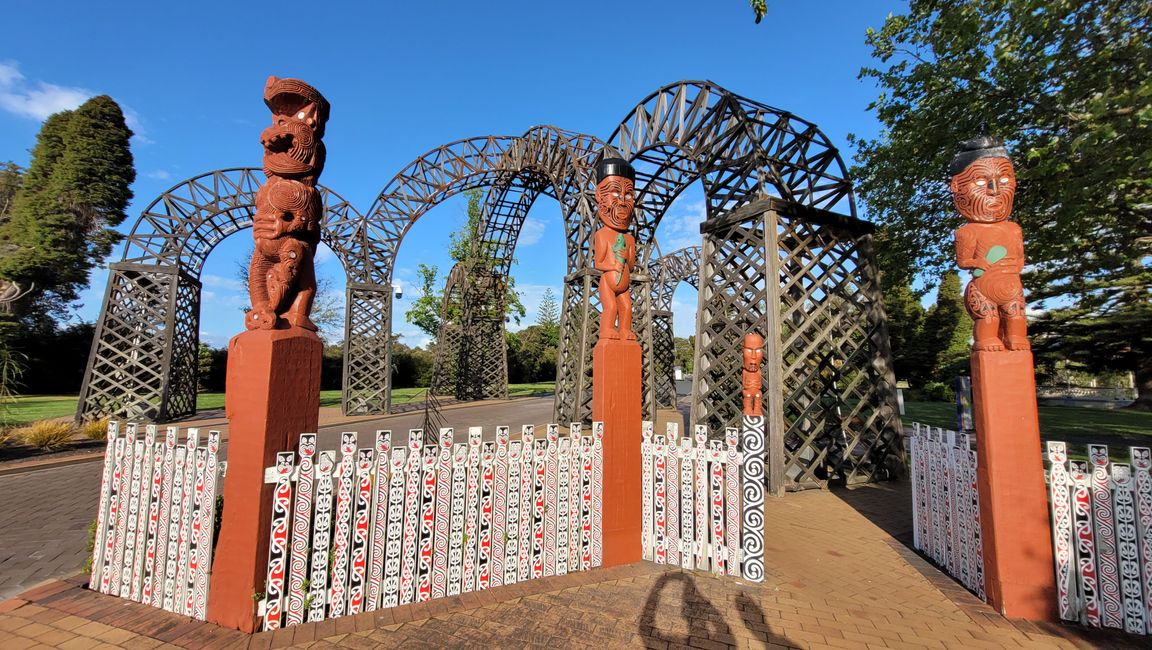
221 282
9 73
132 119
531 232
159 174
36 100
680 226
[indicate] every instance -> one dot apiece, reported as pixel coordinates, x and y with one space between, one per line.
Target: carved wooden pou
750 374
286 226
614 249
983 186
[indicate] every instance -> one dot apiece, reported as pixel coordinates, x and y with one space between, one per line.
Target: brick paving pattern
44 519
838 577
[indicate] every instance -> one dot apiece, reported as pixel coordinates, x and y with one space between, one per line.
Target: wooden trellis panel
829 391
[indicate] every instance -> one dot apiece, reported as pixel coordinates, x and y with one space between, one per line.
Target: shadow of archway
701 618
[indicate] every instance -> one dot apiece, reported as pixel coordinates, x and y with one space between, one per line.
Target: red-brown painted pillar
616 401
1017 536
273 395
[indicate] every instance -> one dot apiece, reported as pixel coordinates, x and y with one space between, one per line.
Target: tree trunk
1143 386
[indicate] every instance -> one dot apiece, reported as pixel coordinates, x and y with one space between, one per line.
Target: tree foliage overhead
76 190
1068 85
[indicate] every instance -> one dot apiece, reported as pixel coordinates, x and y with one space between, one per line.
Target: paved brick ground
838 578
44 518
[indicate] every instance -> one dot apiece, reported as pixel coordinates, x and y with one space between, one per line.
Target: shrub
6 434
95 429
46 434
938 392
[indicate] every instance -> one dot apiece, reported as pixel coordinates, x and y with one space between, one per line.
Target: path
837 577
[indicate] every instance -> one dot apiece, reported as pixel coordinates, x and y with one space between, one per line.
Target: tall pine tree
76 190
948 331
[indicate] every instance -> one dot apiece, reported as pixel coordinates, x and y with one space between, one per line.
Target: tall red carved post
273 380
1017 536
616 383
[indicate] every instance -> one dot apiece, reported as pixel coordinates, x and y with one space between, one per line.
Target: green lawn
1078 426
40 407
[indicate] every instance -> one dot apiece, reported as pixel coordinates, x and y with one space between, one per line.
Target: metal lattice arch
667 272
143 359
516 170
782 254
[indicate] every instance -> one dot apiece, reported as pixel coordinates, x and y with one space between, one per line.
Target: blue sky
404 78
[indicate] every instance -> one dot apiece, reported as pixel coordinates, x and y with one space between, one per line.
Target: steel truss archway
143 359
668 271
759 164
545 160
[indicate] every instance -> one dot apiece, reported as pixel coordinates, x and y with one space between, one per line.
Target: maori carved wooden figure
983 186
753 357
281 277
614 249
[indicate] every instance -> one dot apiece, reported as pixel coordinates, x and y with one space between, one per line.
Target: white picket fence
156 519
945 504
1102 537
383 526
694 515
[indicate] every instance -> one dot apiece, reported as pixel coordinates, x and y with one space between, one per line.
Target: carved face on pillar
984 191
983 181
292 145
615 193
753 352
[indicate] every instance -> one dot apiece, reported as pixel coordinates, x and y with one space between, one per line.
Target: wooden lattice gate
829 390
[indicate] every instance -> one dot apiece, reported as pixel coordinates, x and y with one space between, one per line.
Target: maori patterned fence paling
391 525
156 517
715 522
1102 536
945 505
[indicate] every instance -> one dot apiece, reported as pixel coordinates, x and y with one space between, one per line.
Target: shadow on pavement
888 505
701 617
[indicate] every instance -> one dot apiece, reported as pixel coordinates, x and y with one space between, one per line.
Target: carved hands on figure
614 249
983 188
286 225
751 375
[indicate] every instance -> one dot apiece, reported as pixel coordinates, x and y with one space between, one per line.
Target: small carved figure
614 250
753 357
286 226
983 187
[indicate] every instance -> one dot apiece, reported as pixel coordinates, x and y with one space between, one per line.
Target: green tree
535 354
947 331
759 8
548 314
425 310
905 315
75 192
475 259
1068 85
685 352
11 177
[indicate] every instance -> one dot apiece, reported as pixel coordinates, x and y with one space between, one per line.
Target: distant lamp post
678 373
